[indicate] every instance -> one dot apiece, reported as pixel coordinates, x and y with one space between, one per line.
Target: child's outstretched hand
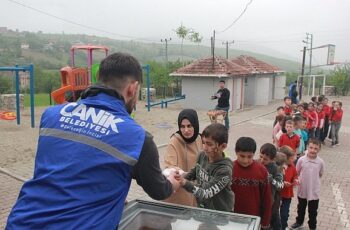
296 182
287 184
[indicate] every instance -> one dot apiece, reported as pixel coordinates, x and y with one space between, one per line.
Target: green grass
40 99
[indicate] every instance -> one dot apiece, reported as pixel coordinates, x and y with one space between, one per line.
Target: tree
340 78
196 37
182 33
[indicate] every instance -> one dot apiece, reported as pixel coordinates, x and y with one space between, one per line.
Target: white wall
280 84
250 91
271 87
262 90
198 91
236 97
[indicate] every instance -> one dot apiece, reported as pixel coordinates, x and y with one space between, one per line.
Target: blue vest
83 167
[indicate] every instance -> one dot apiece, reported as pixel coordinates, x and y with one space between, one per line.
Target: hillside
51 51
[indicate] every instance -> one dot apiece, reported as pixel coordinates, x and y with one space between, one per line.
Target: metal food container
150 215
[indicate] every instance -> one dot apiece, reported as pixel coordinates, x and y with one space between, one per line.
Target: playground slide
59 94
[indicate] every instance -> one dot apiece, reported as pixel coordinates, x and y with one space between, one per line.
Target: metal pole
148 80
313 85
18 111
324 85
31 85
302 75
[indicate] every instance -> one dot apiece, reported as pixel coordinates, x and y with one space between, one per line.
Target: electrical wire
81 25
245 9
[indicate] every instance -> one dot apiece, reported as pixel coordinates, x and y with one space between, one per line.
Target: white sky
267 25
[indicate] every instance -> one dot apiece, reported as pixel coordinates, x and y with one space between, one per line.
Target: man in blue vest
88 152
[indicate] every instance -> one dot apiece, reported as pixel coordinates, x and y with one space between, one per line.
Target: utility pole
166 40
302 75
311 39
308 42
227 44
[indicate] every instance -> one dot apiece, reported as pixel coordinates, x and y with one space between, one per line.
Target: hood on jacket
192 116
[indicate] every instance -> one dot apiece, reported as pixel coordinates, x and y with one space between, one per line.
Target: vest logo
79 114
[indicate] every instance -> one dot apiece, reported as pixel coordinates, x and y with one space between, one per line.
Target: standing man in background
223 96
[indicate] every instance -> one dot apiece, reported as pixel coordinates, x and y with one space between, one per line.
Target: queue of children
261 187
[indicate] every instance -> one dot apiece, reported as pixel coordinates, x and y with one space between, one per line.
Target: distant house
24 46
250 81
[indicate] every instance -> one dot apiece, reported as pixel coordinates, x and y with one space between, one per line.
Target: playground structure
76 79
8 115
164 102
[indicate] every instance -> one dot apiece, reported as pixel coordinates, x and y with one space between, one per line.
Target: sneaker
296 226
337 144
332 146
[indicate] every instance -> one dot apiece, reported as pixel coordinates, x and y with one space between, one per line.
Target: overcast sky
278 25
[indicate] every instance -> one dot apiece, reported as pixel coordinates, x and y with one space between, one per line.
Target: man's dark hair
245 144
314 99
218 132
286 97
223 81
314 141
117 68
269 150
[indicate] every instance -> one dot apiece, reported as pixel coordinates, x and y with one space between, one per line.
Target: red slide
59 94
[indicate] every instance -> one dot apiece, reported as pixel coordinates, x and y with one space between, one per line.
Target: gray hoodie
213 183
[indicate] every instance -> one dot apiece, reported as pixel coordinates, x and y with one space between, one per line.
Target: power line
79 24
245 9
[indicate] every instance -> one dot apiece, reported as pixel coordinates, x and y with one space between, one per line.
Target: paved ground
334 211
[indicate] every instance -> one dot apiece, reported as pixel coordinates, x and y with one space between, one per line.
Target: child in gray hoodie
212 172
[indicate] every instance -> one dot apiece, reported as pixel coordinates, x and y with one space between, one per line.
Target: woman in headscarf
182 152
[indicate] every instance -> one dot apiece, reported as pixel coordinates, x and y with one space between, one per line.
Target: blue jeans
227 121
284 211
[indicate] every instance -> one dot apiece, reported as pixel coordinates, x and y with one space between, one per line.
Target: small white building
250 81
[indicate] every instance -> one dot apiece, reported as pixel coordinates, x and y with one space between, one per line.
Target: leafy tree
182 33
5 85
340 78
196 37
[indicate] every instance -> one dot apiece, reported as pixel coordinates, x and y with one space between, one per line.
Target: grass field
41 99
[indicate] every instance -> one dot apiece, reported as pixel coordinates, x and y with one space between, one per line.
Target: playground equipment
75 79
162 103
17 69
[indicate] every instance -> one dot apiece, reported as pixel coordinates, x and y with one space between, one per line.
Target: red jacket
312 120
327 110
288 110
336 115
289 175
321 115
252 191
291 141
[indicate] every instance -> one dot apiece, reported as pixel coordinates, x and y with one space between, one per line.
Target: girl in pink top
310 169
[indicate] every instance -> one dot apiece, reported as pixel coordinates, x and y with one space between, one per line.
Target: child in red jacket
312 120
320 124
289 138
288 106
290 180
335 121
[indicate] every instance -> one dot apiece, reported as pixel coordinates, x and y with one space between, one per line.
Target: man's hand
174 182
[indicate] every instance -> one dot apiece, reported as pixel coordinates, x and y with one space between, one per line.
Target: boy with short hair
267 158
250 183
289 138
310 169
290 180
212 173
287 106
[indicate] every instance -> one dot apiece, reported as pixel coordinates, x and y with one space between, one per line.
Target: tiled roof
254 65
204 67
